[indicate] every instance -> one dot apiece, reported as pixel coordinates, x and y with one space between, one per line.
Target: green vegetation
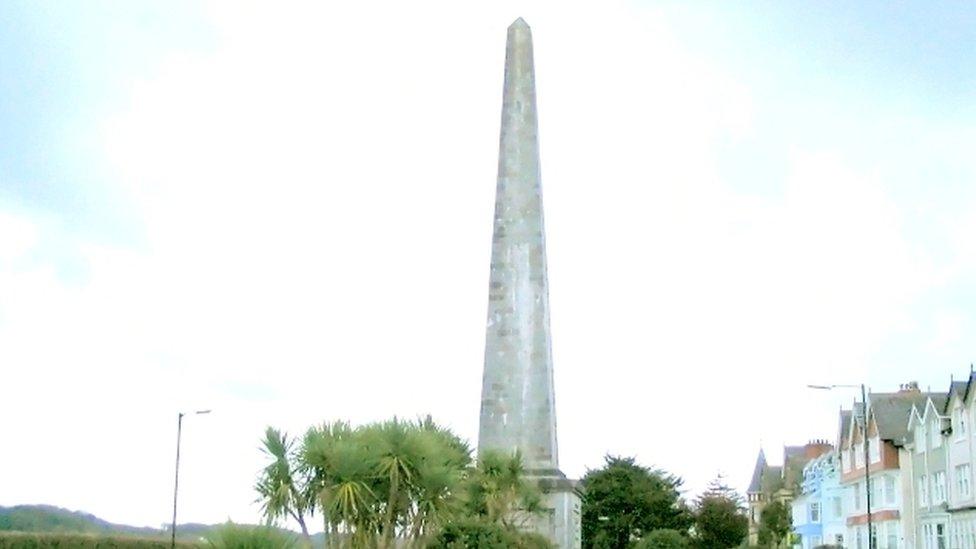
720 521
37 540
474 533
775 524
237 536
395 484
624 501
664 538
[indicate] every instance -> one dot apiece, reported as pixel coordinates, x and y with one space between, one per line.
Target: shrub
663 539
479 534
240 536
25 540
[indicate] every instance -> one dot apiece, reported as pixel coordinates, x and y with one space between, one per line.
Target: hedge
31 540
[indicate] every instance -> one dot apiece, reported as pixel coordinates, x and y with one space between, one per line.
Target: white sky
300 199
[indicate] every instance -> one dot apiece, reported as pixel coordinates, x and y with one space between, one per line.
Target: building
958 443
928 462
778 483
818 510
887 434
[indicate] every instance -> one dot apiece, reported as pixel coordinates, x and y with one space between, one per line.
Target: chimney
910 387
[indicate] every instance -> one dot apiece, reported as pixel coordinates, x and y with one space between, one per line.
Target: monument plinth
518 409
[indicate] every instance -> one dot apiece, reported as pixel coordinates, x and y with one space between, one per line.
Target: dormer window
920 439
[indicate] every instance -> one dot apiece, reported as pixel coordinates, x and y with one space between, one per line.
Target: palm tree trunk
390 522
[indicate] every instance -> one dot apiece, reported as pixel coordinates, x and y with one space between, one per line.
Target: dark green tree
624 501
775 523
720 521
663 539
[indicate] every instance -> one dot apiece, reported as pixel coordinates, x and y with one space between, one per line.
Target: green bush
239 536
663 539
25 540
479 534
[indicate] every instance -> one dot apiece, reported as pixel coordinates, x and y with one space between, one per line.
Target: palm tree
281 488
499 491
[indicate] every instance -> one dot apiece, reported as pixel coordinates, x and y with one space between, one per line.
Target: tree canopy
775 523
720 521
386 484
624 501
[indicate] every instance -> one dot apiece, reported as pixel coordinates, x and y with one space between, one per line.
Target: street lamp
867 453
176 482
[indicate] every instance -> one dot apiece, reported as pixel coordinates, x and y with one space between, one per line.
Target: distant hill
51 519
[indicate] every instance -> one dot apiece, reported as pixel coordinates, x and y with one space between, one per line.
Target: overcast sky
283 212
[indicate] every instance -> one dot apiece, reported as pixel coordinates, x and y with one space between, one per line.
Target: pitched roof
845 425
957 387
755 485
891 412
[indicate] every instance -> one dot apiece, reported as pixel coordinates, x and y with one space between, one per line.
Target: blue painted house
818 510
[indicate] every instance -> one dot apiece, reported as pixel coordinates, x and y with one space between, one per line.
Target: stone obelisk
517 399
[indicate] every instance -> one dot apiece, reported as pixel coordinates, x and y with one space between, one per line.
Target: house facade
818 511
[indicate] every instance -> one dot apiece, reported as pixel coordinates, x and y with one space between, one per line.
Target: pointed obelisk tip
519 24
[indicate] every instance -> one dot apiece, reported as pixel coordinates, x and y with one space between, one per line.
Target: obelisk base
560 520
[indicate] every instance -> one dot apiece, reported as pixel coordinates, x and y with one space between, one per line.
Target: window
858 536
923 491
845 461
939 487
935 433
875 492
892 537
940 538
874 536
814 512
858 460
837 505
920 438
959 423
962 480
857 496
889 484
839 540
816 541
874 449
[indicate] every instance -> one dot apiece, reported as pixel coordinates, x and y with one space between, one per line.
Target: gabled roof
845 427
891 412
957 389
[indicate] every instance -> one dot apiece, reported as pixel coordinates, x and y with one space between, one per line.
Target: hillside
51 519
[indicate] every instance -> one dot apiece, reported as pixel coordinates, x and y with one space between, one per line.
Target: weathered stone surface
518 408
518 404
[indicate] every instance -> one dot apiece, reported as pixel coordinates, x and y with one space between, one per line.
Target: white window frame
874 449
963 482
923 491
890 490
921 438
939 488
935 433
814 512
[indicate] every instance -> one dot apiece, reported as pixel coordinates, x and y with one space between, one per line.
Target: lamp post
867 453
176 482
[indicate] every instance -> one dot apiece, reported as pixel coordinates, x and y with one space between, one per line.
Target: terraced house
818 512
920 449
928 462
941 453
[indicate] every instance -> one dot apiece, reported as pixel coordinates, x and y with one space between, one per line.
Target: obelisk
517 400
